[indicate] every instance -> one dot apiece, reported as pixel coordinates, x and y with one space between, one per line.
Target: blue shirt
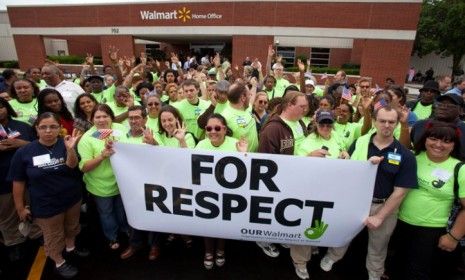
27 134
455 90
53 186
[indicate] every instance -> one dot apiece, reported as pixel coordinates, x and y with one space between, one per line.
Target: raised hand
270 51
317 231
73 139
180 131
242 145
143 58
217 60
89 59
301 65
113 54
148 137
404 112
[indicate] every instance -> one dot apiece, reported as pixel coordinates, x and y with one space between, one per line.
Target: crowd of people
58 135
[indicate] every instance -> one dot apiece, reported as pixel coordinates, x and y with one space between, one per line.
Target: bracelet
453 237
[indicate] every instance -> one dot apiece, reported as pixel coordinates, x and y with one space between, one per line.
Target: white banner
255 197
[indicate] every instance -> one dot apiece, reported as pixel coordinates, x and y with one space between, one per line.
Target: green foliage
73 59
327 70
302 58
350 66
9 64
441 29
67 59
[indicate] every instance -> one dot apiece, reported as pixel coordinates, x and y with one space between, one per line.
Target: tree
441 30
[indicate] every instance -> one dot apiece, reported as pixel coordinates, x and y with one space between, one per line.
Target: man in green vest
397 173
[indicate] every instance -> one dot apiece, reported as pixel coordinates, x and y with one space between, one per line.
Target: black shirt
390 175
27 134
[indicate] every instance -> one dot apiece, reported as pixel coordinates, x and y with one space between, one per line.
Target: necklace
49 148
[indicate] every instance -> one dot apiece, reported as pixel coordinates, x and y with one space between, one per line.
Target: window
319 57
288 54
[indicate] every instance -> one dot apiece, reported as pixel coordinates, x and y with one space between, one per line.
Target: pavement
244 260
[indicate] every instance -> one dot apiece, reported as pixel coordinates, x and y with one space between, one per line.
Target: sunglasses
153 104
216 128
364 86
262 102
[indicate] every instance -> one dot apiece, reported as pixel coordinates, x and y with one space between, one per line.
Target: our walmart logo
184 14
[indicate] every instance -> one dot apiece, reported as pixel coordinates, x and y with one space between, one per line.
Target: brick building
378 35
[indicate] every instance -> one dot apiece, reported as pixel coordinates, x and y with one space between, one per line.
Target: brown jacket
276 137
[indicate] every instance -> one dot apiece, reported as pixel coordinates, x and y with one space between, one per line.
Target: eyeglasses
216 128
364 86
153 104
262 102
48 127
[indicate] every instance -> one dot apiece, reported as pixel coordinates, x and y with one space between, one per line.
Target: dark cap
431 85
324 116
94 77
456 99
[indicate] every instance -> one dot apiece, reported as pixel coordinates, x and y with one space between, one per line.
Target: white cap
310 82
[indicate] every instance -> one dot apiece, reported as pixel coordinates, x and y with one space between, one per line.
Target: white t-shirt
70 91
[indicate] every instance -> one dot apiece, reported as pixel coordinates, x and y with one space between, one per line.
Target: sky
4 3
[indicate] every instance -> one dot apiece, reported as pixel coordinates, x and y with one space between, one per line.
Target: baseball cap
324 116
456 99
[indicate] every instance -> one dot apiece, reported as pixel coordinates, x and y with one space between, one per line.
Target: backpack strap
456 179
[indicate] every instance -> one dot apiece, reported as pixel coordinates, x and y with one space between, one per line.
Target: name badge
394 158
40 160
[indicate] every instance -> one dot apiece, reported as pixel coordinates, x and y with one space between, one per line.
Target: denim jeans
112 216
138 237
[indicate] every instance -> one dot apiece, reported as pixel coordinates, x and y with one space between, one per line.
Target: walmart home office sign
254 197
184 14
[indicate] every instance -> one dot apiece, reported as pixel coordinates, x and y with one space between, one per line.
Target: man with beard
447 109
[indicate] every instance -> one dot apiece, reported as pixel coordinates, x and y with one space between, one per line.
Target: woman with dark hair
47 167
142 89
83 108
50 100
217 139
171 129
153 104
426 243
24 102
399 98
327 102
343 126
98 174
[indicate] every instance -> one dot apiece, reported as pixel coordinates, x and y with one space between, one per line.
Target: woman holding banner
218 140
98 173
324 141
426 243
